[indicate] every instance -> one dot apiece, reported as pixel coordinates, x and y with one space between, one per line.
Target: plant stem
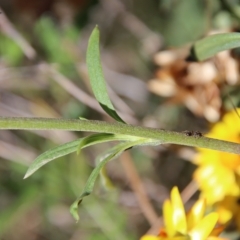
163 136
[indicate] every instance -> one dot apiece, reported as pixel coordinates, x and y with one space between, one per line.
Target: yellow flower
228 129
193 226
215 182
218 173
228 209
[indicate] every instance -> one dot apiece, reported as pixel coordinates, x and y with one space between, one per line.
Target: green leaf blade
98 138
73 146
211 45
52 154
97 79
103 160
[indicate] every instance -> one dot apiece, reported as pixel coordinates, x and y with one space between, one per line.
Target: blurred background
144 47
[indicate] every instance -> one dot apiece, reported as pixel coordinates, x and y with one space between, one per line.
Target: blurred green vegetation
11 51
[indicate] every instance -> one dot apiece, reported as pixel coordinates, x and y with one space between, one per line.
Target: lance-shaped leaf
97 80
105 180
98 138
102 159
73 146
211 45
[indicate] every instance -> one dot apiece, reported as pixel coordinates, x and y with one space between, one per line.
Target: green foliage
25 200
178 13
55 46
96 76
10 51
73 146
202 49
56 51
103 160
52 154
209 46
100 92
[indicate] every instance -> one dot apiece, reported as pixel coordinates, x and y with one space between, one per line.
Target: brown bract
197 85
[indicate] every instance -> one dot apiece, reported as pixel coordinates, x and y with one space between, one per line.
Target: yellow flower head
193 226
215 182
228 129
218 173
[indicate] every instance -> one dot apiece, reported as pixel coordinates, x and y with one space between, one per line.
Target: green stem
163 136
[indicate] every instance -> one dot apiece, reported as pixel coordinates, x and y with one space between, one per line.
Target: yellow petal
168 220
212 183
203 229
186 237
196 213
227 208
231 117
149 237
179 216
225 215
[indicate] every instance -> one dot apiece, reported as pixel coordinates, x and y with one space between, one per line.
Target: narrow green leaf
73 146
102 159
52 154
97 80
106 181
82 118
211 45
99 138
103 137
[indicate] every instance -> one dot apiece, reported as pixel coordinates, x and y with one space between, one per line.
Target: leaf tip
74 211
28 173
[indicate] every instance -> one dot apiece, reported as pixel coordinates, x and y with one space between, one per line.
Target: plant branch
161 136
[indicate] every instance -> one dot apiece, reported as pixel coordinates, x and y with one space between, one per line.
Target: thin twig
138 188
189 191
7 28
